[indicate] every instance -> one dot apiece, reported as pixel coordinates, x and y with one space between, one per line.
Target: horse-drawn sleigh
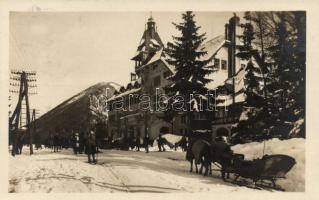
267 169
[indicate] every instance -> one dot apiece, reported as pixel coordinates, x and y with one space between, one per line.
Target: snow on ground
295 178
116 171
131 171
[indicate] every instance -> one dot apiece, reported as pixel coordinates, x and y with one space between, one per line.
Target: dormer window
224 65
216 63
133 77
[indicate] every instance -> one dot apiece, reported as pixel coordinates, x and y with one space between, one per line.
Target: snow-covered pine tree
254 103
185 54
288 77
278 87
299 75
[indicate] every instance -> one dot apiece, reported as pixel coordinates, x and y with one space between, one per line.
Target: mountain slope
75 113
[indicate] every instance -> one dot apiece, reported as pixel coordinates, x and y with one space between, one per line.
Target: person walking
138 142
160 143
90 147
146 143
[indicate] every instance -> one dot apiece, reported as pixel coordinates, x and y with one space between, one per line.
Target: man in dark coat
90 147
138 142
222 154
146 143
160 143
56 143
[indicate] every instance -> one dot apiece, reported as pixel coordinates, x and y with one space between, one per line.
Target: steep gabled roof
212 46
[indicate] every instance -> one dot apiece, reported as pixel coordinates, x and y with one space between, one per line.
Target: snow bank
172 138
295 178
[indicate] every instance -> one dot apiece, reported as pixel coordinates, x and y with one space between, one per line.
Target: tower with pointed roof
150 43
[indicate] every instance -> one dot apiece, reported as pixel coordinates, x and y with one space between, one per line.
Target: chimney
231 36
226 31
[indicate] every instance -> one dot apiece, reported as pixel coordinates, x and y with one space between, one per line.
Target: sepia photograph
157 101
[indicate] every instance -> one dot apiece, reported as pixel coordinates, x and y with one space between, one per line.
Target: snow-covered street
122 171
116 171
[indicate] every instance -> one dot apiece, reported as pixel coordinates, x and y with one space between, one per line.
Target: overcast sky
72 51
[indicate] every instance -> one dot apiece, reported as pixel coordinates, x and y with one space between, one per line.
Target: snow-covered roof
115 86
124 93
228 99
157 56
218 78
154 42
212 46
139 81
170 67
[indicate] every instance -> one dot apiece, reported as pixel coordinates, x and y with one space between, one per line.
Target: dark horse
204 153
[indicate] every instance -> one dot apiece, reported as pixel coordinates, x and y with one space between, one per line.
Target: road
116 171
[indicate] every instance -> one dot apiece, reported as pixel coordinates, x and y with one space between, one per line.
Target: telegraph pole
21 79
35 112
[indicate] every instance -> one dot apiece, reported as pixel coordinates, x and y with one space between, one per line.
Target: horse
205 153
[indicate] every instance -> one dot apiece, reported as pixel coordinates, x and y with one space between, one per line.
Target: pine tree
186 55
299 91
254 103
288 82
278 86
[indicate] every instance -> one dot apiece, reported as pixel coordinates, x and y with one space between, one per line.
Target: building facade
150 77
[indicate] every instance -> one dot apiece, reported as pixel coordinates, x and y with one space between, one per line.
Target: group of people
80 143
88 144
56 142
133 143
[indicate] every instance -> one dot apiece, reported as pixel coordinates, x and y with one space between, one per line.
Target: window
224 65
166 74
157 81
216 63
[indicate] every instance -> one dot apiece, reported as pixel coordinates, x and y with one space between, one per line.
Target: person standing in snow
138 142
56 143
76 147
223 154
90 147
146 142
160 143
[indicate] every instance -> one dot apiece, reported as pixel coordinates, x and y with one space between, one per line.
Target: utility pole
21 79
35 112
